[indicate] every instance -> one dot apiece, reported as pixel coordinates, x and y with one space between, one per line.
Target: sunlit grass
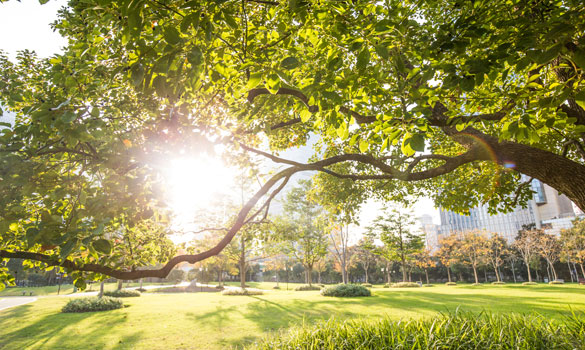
214 321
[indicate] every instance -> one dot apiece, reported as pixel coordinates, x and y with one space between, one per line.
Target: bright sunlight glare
195 185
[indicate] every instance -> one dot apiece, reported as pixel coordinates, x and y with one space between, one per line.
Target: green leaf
171 35
406 147
579 58
417 142
467 83
255 79
103 246
305 115
13 226
289 62
137 73
363 58
195 56
382 51
580 99
68 116
364 145
230 20
67 248
31 235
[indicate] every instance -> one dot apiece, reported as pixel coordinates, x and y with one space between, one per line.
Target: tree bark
448 273
242 263
427 275
529 274
582 270
475 274
513 273
366 269
101 293
120 284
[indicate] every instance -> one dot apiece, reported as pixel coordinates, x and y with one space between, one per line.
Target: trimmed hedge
529 283
450 284
240 291
461 331
405 285
498 283
346 290
123 293
92 304
306 287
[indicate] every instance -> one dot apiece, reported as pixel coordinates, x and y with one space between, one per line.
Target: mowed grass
215 321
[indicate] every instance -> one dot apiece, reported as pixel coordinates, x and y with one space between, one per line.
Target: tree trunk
497 273
404 276
319 276
554 272
475 274
366 275
141 283
570 271
309 271
582 270
529 274
485 274
427 275
513 273
101 293
242 263
120 284
449 274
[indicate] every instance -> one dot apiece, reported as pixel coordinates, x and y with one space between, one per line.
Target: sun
195 184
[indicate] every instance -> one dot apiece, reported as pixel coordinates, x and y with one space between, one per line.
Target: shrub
240 291
427 285
450 284
367 285
92 304
498 282
123 293
476 284
447 331
386 285
346 290
307 287
405 285
141 290
219 287
556 282
276 287
529 283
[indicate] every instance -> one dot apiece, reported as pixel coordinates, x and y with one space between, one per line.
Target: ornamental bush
462 331
405 285
498 282
240 291
92 304
450 284
346 290
122 293
529 283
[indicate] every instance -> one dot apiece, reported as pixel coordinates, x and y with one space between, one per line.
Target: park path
8 302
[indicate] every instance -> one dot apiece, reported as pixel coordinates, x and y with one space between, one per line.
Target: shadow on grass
58 330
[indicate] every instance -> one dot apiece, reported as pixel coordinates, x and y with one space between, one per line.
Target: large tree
488 90
574 240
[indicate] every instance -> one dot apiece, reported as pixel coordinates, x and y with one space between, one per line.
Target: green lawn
214 321
65 289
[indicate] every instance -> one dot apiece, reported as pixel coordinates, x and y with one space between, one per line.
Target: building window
539 196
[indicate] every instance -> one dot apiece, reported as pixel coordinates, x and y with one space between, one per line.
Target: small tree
549 248
473 249
527 244
393 229
448 252
364 255
424 260
574 240
496 250
339 248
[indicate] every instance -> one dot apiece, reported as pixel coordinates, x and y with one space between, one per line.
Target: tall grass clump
460 331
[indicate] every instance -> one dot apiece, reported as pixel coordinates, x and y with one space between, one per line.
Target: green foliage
405 285
92 304
307 287
556 282
448 331
451 284
498 282
122 293
346 290
367 285
529 283
242 291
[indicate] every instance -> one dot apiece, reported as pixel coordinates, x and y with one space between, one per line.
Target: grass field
65 289
214 321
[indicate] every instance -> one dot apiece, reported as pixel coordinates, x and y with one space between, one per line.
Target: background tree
574 238
339 247
424 260
393 228
364 256
304 226
527 245
449 252
497 248
474 248
549 248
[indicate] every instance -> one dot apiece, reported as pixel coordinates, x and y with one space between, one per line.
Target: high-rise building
431 232
548 210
